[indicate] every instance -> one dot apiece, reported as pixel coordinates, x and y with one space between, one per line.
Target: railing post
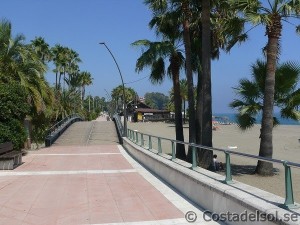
194 160
173 150
137 138
133 136
159 145
150 142
142 140
289 196
228 179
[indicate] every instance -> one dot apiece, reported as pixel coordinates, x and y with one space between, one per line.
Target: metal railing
119 124
57 129
138 138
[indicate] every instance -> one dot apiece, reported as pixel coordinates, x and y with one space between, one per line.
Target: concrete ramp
89 133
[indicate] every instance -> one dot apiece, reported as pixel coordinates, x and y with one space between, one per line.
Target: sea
231 117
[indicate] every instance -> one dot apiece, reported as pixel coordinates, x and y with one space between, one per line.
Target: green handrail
289 198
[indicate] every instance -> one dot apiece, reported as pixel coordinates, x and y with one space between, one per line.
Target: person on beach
217 166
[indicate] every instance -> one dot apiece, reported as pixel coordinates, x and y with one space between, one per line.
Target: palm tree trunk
205 156
184 116
189 77
266 144
81 97
64 81
56 80
83 92
59 79
199 106
180 149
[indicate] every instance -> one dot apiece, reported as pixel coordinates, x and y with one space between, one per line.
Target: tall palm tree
59 62
172 18
251 93
154 57
186 18
205 156
72 58
86 80
271 15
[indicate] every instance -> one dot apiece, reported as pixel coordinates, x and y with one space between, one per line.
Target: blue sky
82 24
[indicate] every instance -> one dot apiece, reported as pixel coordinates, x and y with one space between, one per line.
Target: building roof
147 110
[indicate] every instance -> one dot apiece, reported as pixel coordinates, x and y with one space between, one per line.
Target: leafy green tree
20 63
66 103
23 64
13 109
251 93
156 100
270 15
117 94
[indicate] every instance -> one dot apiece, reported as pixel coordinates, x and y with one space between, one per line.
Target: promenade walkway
86 177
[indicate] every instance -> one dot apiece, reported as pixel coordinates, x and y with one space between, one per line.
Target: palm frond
157 71
245 121
247 90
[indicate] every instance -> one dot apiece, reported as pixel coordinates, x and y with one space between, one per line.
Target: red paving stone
83 198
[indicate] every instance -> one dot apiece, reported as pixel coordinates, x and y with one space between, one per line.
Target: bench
9 158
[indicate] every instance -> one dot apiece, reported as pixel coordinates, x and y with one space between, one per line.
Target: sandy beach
285 141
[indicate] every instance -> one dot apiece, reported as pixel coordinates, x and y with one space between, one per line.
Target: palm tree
86 80
72 58
66 104
251 93
205 156
154 57
185 7
117 95
11 49
183 95
172 18
19 62
270 15
42 49
58 60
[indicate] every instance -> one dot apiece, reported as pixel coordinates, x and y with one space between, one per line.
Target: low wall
206 189
51 138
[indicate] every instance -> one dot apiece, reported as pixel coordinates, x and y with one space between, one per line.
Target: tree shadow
238 170
184 126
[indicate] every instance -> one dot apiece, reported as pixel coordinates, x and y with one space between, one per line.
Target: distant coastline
232 118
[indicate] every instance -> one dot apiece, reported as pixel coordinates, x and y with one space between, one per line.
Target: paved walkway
91 181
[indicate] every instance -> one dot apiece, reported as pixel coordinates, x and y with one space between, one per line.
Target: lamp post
124 100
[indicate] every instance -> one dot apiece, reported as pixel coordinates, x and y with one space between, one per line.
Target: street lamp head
102 43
